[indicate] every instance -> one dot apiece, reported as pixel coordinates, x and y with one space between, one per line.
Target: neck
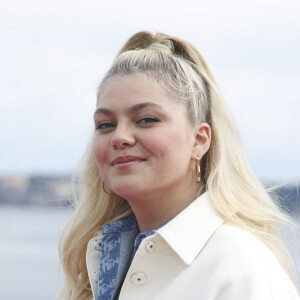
156 208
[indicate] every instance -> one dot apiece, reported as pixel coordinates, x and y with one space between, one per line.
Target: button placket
95 276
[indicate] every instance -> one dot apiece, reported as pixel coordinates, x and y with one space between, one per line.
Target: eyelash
143 121
152 120
100 126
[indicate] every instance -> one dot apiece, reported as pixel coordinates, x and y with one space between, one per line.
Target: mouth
128 160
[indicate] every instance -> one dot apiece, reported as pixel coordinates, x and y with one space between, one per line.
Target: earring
103 187
197 168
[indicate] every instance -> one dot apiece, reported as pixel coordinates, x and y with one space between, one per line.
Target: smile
126 161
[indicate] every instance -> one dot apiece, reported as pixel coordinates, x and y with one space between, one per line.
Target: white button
97 244
150 247
138 278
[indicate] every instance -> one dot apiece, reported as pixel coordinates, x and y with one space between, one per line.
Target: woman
170 208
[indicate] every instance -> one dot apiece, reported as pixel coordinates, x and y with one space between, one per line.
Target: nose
123 137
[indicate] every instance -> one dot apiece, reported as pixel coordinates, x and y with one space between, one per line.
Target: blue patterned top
120 242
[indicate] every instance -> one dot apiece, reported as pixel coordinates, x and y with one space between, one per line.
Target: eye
148 120
105 125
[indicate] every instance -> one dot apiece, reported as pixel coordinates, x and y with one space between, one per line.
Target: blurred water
29 263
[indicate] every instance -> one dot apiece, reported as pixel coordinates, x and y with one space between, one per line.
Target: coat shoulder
240 259
242 250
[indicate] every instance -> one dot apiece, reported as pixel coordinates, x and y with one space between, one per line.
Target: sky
53 55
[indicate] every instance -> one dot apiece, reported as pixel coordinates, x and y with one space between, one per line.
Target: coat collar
190 230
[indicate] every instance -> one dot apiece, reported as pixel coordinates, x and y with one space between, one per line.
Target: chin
127 191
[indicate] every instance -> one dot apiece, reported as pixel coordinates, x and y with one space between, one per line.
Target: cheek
99 150
159 145
165 144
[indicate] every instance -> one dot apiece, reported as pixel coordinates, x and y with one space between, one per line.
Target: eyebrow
132 109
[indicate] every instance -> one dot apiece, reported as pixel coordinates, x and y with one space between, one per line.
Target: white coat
198 256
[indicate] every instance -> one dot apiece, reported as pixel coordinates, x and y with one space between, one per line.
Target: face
143 142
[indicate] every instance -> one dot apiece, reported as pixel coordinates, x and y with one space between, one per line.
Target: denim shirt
120 242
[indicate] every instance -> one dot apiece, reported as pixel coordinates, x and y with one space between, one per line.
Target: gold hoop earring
103 187
198 170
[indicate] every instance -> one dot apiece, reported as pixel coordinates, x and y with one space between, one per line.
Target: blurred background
52 56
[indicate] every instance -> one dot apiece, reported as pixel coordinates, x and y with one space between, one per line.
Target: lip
126 160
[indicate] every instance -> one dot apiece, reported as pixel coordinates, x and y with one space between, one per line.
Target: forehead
132 89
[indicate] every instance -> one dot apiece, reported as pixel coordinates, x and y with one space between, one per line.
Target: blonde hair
179 68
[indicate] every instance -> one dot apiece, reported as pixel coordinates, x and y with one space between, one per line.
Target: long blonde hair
179 68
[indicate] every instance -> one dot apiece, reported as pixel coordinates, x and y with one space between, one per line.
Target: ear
202 136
